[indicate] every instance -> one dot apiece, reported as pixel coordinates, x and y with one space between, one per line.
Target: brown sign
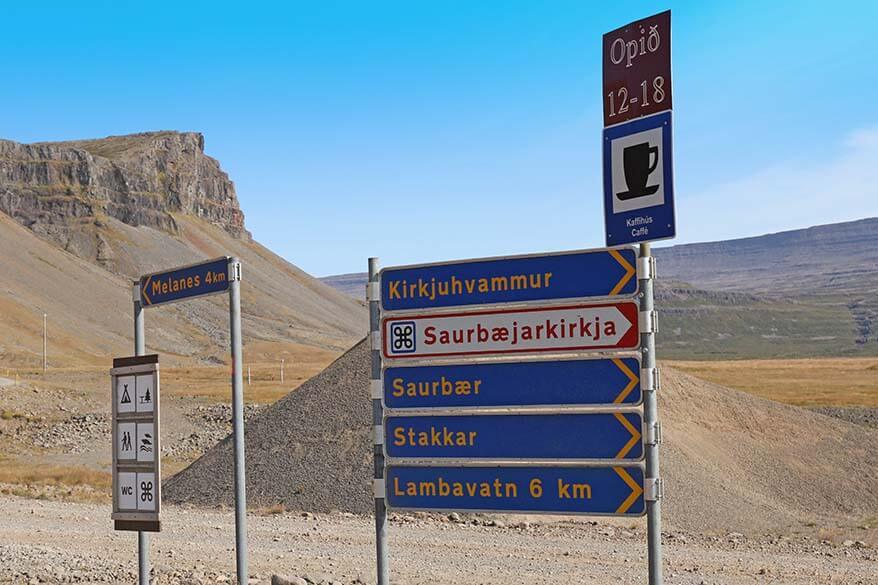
637 69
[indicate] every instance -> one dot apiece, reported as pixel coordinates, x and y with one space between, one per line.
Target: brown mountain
79 220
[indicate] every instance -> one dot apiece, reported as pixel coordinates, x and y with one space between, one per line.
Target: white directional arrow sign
545 329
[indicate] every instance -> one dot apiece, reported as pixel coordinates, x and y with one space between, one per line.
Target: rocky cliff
125 206
65 191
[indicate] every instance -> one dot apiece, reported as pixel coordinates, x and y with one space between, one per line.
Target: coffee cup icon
638 160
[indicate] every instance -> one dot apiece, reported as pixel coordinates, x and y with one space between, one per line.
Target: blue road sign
612 491
184 283
565 382
638 181
568 275
600 435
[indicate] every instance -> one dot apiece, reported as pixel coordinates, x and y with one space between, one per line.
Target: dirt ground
55 542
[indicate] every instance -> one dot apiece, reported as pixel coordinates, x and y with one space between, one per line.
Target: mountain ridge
796 293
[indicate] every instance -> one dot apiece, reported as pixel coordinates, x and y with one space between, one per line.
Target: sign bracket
376 389
650 379
646 267
652 489
653 433
649 321
373 291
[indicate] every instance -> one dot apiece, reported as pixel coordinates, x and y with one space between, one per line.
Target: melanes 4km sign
207 278
586 274
611 326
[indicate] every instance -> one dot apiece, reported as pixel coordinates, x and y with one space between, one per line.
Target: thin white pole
238 421
45 358
140 349
650 419
382 564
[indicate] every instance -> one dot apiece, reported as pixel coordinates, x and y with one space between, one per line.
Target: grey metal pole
377 425
238 419
45 358
140 349
650 420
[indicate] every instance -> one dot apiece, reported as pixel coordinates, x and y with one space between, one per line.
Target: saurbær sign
637 69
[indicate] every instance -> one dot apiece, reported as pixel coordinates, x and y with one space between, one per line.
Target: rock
278 580
138 179
454 517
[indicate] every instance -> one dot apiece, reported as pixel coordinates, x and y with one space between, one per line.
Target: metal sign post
653 483
183 283
140 349
234 269
373 294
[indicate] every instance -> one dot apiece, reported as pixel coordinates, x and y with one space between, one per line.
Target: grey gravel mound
858 415
311 450
730 461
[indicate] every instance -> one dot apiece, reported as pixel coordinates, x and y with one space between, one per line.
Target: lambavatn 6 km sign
610 326
601 491
584 274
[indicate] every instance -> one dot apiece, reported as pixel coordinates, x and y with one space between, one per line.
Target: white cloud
789 195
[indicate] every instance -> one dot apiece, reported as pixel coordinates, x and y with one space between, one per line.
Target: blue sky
422 131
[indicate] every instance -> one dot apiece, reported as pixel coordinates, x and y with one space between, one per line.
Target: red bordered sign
580 328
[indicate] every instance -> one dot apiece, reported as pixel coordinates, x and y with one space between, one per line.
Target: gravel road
58 542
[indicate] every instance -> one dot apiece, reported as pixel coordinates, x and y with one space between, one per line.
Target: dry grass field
802 382
209 383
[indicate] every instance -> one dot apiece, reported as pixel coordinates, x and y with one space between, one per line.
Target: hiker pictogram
126 441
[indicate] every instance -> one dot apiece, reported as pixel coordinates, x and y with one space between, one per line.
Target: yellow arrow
633 379
635 435
636 490
145 287
629 272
